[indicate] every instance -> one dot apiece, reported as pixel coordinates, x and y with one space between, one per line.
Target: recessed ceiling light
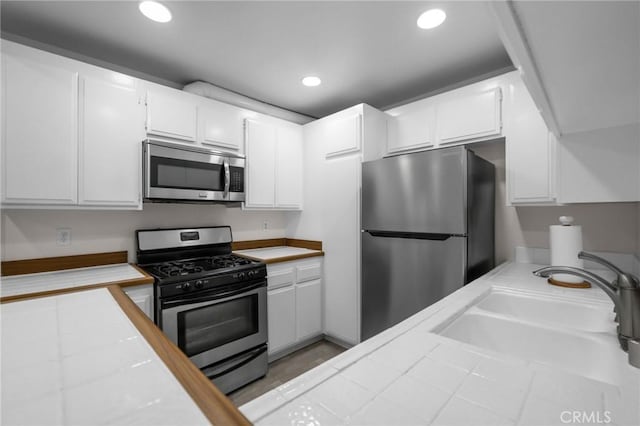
155 11
311 81
431 19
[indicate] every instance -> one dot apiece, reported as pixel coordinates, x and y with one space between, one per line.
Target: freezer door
401 276
420 192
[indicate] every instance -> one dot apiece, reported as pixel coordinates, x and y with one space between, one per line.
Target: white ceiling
363 51
587 54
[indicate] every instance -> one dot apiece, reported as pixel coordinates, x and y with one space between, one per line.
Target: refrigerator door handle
412 235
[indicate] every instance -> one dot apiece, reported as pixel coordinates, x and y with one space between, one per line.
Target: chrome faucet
624 291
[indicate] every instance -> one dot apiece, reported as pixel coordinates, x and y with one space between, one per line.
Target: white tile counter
67 279
77 359
271 254
409 375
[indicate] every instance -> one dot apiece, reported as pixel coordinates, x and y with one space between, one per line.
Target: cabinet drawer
280 278
309 272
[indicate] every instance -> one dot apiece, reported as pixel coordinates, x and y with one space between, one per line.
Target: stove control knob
241 275
186 286
199 284
250 274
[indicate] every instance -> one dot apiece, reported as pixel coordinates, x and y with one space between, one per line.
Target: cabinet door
410 131
171 114
111 130
343 136
39 133
260 165
340 237
221 125
281 309
530 150
470 116
143 297
289 168
308 309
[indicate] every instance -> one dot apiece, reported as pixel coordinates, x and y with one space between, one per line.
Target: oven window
209 327
183 174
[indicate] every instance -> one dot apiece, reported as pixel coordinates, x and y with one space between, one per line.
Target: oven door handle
199 299
252 355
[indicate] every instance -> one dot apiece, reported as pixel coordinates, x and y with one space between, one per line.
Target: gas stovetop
188 267
194 259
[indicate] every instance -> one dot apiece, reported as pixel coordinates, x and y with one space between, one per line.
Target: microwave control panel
236 176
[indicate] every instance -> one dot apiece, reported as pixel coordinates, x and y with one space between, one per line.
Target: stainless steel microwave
180 173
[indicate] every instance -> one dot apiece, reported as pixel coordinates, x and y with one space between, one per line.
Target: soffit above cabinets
364 51
585 55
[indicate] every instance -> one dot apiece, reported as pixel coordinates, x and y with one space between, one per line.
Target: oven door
184 173
212 326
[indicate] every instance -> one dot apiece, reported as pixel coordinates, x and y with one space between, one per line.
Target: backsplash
626 261
28 234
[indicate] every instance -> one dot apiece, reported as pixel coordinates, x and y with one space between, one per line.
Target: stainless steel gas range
209 302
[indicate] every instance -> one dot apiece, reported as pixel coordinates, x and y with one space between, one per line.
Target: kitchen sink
586 315
574 336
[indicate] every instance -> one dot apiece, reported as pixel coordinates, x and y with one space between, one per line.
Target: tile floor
287 368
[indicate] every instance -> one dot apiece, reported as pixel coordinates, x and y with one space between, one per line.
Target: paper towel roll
566 243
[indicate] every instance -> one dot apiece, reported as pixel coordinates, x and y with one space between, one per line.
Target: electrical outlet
63 236
265 225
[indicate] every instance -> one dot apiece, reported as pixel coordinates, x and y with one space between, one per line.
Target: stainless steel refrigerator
427 229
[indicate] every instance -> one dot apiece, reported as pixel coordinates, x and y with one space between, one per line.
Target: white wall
28 234
606 227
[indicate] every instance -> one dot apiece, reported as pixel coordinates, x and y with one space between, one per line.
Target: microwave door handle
227 178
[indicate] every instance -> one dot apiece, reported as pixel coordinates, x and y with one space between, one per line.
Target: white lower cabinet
142 296
308 309
294 303
282 318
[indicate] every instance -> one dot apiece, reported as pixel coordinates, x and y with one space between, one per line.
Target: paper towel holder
567 221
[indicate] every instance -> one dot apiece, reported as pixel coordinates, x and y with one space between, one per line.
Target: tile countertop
77 359
408 375
278 254
42 282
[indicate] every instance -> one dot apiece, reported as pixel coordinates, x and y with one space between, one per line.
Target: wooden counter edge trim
276 242
254 244
284 258
123 283
213 403
48 264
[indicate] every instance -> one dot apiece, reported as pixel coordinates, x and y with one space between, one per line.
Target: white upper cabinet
39 132
530 151
261 164
468 116
111 129
343 135
411 130
72 133
221 125
171 113
274 165
289 167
